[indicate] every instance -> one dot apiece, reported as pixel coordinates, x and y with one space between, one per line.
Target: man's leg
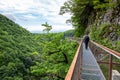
86 45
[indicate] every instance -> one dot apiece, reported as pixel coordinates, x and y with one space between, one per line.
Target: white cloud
55 28
48 9
58 19
29 16
20 5
34 28
60 28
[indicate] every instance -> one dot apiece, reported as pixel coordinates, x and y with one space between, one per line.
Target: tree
81 11
56 57
47 27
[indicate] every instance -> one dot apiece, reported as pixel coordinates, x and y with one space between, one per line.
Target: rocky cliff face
108 22
108 16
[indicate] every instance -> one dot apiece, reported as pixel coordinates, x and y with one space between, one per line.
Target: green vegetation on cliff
100 18
27 56
82 10
108 35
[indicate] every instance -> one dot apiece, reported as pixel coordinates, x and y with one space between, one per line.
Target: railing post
110 67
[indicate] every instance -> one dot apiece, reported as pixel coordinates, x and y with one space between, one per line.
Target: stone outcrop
110 18
115 75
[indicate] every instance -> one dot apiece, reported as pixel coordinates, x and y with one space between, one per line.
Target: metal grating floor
90 67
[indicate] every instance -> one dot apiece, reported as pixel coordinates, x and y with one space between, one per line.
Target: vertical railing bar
110 67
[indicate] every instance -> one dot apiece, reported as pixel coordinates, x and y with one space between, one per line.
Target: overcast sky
30 14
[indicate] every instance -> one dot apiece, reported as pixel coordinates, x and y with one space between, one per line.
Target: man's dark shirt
86 40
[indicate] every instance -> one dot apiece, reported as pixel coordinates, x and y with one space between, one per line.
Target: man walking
86 40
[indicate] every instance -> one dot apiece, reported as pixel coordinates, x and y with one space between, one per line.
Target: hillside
27 56
16 44
69 33
8 27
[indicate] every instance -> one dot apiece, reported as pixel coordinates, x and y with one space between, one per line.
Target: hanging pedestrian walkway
90 67
84 65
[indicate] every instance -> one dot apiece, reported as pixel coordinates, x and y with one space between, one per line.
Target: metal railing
111 54
108 50
75 68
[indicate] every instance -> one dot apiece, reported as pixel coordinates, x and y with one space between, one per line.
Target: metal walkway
84 65
90 67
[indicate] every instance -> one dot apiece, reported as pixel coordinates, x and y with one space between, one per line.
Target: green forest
47 56
27 56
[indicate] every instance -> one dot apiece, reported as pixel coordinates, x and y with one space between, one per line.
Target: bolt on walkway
90 67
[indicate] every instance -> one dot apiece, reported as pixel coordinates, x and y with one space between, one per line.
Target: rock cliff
104 26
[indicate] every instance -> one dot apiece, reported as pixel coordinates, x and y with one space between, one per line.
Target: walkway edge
73 64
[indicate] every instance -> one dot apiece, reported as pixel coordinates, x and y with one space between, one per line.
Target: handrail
74 70
114 53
